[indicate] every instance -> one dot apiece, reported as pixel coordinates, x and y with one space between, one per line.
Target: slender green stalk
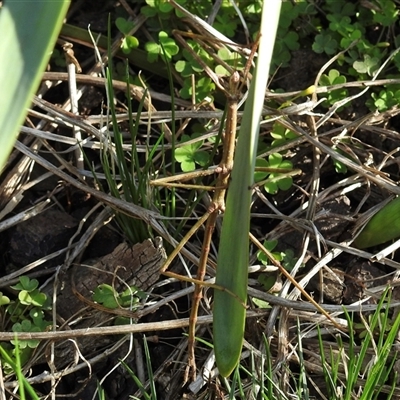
17 367
233 257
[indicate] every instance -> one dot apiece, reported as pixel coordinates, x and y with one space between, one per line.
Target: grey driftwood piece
137 265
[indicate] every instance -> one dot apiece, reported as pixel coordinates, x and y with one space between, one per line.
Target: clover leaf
385 99
334 78
203 87
106 295
387 15
124 26
231 58
226 24
281 135
129 43
186 67
166 48
4 299
131 296
325 43
189 155
32 298
286 258
25 283
276 180
270 246
38 318
368 66
26 326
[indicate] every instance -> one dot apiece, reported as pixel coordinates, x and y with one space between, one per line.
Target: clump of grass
352 372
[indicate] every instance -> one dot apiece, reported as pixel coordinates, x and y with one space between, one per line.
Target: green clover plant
107 296
334 78
286 258
165 49
129 42
276 180
281 135
190 155
26 314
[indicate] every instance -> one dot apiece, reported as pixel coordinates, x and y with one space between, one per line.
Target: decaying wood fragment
137 265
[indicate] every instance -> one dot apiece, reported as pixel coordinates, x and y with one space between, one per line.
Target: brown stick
217 206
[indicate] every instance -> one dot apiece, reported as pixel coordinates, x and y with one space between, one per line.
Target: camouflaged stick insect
217 206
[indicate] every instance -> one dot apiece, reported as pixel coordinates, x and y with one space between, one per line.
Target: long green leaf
382 227
233 257
29 29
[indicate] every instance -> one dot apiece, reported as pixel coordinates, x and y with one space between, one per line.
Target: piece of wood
138 265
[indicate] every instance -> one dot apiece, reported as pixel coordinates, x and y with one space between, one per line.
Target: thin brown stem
217 206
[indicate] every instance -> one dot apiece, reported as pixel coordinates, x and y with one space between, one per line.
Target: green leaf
334 78
275 160
124 26
291 41
229 314
25 283
167 48
184 68
382 227
387 15
33 297
16 311
130 297
32 29
261 303
267 281
325 43
189 155
148 11
340 168
285 183
129 43
270 244
368 66
38 319
204 86
106 295
260 175
275 180
4 299
288 259
153 50
271 187
26 326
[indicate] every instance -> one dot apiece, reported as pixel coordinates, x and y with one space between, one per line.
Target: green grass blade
379 373
17 367
31 29
233 258
382 227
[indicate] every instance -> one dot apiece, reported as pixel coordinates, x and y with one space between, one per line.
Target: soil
107 258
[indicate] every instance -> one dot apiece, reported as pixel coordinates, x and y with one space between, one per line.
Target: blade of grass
24 54
378 374
233 257
133 181
302 387
17 367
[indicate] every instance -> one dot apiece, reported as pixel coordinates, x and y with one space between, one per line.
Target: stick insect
232 91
